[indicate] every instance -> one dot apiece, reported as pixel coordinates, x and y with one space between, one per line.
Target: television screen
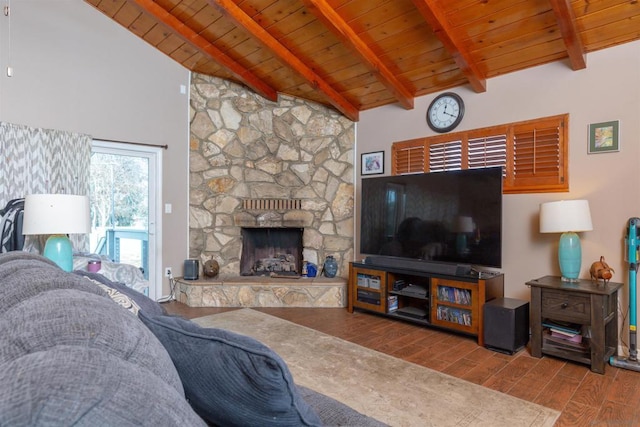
450 217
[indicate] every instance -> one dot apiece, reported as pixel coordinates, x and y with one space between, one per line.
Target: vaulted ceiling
359 54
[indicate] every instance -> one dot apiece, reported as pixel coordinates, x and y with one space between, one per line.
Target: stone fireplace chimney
255 163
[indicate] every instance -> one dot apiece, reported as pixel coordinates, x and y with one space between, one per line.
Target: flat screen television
437 218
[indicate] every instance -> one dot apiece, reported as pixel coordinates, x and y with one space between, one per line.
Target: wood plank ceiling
360 54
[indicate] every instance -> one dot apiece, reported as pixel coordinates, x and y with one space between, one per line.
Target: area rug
391 390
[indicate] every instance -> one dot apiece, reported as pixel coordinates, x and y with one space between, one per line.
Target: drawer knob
564 305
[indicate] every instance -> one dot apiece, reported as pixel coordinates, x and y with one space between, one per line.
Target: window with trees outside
533 154
120 208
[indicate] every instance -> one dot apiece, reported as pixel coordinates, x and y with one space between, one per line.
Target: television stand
446 300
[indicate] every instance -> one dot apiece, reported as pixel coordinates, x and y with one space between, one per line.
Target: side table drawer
567 306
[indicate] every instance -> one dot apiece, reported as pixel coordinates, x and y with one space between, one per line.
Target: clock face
445 112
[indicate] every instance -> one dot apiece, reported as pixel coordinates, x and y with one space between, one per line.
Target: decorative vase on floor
330 267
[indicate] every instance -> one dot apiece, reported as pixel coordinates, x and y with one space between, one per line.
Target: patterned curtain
39 161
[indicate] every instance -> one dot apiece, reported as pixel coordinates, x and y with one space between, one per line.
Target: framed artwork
604 137
372 163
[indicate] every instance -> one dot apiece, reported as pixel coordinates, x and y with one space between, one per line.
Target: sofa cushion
70 356
64 317
28 275
71 385
231 379
21 255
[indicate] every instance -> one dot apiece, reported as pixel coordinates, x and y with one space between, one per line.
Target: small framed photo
372 163
604 137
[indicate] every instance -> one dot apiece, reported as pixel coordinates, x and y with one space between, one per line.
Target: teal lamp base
59 250
570 256
461 244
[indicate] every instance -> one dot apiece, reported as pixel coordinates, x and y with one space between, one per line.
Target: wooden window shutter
445 156
533 154
487 151
539 157
408 157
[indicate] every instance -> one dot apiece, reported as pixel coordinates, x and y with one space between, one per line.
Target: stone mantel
273 219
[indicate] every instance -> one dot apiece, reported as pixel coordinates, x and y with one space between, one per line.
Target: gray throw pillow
334 413
231 379
144 302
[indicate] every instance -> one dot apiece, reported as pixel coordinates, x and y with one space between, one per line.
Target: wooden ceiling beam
231 10
341 29
570 35
438 22
187 34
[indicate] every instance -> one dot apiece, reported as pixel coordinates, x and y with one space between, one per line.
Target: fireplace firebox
271 251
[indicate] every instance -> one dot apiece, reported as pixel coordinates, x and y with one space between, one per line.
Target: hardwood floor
583 397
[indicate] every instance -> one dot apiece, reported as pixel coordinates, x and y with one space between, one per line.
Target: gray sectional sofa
78 349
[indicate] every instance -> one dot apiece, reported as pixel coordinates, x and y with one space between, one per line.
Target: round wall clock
445 112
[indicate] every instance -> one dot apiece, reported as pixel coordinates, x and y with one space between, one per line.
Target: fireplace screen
271 251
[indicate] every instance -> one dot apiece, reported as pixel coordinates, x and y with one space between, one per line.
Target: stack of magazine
564 335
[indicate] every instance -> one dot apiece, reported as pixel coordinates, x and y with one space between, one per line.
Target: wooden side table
587 303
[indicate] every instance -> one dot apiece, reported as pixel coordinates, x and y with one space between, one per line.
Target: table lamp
567 217
57 215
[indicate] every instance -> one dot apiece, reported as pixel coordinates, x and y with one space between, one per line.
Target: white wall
608 89
76 70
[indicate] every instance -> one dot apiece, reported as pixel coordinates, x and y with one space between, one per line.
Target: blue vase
330 267
312 269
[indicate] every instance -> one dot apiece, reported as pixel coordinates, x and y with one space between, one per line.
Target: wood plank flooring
583 397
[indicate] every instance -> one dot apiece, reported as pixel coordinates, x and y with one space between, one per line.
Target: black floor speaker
506 325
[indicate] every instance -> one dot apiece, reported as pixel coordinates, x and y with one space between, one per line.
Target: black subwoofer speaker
191 269
506 324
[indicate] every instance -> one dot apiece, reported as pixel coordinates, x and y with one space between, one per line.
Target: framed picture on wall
372 163
604 137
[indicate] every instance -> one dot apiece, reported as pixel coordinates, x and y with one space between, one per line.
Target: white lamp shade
565 215
56 214
465 224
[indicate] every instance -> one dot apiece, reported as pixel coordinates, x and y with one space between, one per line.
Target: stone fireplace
261 164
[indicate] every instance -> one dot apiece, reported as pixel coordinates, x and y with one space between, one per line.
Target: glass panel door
123 205
120 208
